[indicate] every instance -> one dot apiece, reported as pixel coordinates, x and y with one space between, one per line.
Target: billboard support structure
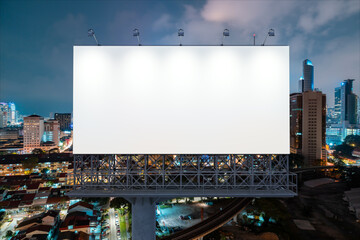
146 179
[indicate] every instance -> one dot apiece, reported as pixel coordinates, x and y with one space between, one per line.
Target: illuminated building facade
296 123
308 75
348 102
4 111
314 127
33 132
64 120
337 104
51 131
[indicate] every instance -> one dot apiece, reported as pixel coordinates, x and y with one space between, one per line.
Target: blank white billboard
181 100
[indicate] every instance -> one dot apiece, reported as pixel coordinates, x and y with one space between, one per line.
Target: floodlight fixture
254 35
271 33
91 33
136 33
180 34
226 33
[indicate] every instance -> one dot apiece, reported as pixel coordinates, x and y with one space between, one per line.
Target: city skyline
38 38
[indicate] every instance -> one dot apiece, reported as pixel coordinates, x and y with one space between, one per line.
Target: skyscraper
33 132
64 120
51 131
12 113
3 114
296 123
308 126
301 85
337 104
308 75
348 102
314 127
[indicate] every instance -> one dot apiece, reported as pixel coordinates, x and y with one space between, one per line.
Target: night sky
36 39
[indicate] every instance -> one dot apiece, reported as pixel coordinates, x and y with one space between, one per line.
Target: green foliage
352 176
119 202
54 150
352 140
38 151
30 163
101 201
9 234
296 160
343 150
271 208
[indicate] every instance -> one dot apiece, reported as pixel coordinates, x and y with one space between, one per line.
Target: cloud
247 14
320 13
164 22
336 62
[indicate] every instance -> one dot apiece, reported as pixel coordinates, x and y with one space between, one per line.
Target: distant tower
337 104
12 113
301 85
64 120
308 75
348 102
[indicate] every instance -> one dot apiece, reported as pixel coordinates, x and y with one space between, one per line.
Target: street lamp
136 33
91 33
271 33
180 35
226 33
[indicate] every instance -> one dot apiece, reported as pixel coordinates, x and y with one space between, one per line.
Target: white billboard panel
181 100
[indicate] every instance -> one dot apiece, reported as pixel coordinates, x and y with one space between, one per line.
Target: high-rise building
308 75
296 123
4 111
301 85
337 104
51 132
64 120
12 113
314 127
308 126
33 132
348 102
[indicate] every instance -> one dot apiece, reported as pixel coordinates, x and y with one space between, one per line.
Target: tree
54 150
352 176
296 160
119 202
102 201
9 234
30 163
352 140
343 150
38 151
44 170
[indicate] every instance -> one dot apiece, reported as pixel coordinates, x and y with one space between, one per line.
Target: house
27 200
49 218
76 222
82 207
42 196
32 187
62 177
40 231
68 235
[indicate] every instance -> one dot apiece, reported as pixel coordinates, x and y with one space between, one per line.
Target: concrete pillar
143 218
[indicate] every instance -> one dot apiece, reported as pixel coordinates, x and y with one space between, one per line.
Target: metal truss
182 175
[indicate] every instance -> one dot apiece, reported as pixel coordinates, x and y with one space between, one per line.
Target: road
112 224
212 223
